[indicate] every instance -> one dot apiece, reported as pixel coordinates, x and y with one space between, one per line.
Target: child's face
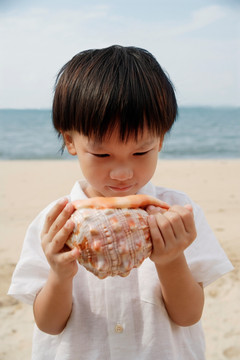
113 167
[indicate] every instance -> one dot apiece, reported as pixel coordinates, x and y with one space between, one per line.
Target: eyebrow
95 144
98 145
146 143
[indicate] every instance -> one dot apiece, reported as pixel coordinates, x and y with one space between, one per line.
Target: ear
69 143
160 143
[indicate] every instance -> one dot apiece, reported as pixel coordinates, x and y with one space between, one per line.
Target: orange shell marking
128 202
112 233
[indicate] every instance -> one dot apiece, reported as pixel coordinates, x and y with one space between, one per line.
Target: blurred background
196 42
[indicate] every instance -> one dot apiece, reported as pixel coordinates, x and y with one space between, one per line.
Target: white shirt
120 318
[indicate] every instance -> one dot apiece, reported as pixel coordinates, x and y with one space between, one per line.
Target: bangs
99 91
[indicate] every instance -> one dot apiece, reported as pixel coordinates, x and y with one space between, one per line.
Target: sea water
198 133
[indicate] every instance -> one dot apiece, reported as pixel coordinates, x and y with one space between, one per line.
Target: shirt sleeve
205 256
32 268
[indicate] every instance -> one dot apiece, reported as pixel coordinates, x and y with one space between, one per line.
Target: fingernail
69 224
62 201
189 207
69 207
161 211
151 207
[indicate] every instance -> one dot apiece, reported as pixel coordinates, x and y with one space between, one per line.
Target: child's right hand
56 230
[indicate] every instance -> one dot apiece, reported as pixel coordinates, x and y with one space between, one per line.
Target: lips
120 188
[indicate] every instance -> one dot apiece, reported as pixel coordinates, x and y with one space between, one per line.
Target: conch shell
112 233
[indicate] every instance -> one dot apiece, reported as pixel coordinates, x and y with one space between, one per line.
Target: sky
197 42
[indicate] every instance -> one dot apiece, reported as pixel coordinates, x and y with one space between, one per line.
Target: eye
101 155
141 153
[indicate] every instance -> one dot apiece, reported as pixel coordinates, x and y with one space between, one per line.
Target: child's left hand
172 232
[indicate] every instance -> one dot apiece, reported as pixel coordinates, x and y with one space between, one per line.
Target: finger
189 207
166 229
61 220
70 256
61 237
53 214
176 223
155 233
186 214
151 209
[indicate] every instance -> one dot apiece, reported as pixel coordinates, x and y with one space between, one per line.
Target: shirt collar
77 192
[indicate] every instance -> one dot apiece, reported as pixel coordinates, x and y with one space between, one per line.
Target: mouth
120 189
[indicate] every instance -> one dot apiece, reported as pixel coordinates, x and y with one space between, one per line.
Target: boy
112 108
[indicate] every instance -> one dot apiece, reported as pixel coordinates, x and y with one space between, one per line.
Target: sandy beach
28 186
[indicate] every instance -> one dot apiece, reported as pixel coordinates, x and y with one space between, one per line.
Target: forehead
144 138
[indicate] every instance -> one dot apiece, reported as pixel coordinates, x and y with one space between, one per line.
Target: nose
121 174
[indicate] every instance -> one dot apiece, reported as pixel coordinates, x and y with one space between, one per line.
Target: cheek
151 162
146 168
92 170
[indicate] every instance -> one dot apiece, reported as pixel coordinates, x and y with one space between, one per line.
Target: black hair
119 87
